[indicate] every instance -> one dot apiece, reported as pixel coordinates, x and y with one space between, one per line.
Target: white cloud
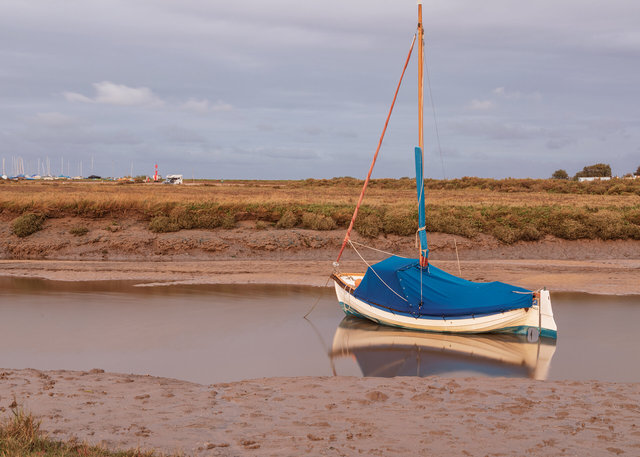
221 106
75 97
197 106
204 106
481 105
118 94
515 95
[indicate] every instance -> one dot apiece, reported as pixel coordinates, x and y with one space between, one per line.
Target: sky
284 89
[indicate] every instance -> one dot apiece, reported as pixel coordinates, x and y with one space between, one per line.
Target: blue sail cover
443 295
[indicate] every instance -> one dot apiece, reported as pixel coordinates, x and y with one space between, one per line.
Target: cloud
346 134
312 131
109 93
279 152
515 95
559 143
181 135
75 97
53 119
196 58
294 153
204 106
497 130
480 105
617 41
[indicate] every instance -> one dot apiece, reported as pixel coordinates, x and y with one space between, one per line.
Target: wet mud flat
235 370
334 415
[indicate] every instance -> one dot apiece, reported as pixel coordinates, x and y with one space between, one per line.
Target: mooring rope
318 299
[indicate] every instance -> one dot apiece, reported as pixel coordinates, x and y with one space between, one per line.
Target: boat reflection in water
386 351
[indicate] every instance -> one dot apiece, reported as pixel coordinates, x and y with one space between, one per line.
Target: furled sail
401 285
422 221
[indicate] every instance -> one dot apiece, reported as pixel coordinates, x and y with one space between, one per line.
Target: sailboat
413 294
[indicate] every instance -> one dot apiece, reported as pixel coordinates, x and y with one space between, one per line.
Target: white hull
539 316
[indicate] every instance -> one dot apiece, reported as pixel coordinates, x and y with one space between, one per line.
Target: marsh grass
79 230
288 220
510 210
163 224
27 224
20 436
316 221
369 223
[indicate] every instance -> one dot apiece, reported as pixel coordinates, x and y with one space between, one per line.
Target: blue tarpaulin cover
442 293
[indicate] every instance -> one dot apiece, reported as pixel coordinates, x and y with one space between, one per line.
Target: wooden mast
423 260
420 79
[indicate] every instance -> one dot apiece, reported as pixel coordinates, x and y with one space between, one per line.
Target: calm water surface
217 333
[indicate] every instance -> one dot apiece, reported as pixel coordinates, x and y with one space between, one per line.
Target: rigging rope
435 119
375 156
374 271
374 249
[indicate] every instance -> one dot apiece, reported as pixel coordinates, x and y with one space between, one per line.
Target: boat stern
547 325
539 321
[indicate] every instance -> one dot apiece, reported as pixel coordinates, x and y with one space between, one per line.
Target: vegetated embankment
241 218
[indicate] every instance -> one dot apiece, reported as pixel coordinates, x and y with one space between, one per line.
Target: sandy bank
333 416
592 276
126 249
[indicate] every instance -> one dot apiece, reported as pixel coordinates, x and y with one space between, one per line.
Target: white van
173 179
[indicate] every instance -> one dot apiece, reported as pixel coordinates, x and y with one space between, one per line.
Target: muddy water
216 333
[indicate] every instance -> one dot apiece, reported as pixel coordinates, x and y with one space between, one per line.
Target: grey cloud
496 130
177 134
312 131
203 106
559 143
225 77
288 153
346 134
54 120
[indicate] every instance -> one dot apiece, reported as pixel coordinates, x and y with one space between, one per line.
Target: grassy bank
20 436
509 210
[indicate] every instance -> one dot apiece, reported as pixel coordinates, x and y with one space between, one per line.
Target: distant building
594 178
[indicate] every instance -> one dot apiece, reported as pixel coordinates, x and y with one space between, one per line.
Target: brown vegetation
510 210
79 230
27 224
20 435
